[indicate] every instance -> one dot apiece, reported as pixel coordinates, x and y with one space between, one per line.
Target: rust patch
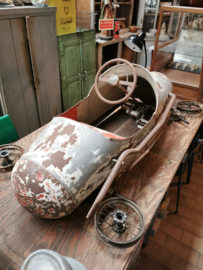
69 129
39 197
88 187
72 140
39 145
57 159
73 178
40 176
54 135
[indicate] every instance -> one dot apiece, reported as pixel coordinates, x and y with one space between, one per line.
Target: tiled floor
178 243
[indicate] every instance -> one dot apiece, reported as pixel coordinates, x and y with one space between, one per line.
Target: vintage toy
96 140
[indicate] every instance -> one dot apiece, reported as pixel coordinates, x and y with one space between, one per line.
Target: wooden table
102 43
21 233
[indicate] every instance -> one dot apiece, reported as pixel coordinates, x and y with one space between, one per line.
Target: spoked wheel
119 222
189 107
9 154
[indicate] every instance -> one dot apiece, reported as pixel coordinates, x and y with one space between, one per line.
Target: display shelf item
184 67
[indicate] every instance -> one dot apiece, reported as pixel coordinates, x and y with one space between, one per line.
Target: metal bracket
82 76
85 75
79 77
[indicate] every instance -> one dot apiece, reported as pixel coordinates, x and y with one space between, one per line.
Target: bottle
191 3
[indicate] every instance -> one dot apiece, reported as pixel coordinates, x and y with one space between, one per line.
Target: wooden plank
182 9
3 107
113 41
11 82
50 56
36 50
119 51
23 11
157 41
179 137
200 84
19 33
166 43
178 76
155 227
185 92
99 56
44 57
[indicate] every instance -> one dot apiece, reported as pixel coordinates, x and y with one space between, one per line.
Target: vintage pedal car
96 140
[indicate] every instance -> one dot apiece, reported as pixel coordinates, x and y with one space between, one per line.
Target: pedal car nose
39 192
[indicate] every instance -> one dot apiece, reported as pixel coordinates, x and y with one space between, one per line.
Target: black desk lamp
135 43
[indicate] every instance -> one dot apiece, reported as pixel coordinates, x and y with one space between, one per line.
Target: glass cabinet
180 58
151 9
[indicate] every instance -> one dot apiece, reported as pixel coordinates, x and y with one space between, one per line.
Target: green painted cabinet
77 58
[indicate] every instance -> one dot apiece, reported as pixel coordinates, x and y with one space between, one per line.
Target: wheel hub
113 80
6 161
119 217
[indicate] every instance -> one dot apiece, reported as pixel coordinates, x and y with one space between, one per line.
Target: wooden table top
21 233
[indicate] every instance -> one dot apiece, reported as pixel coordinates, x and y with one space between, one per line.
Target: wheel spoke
113 236
109 232
120 236
130 231
106 228
133 225
133 216
103 220
107 223
113 207
105 214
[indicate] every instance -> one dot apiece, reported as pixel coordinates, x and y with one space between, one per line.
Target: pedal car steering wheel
114 81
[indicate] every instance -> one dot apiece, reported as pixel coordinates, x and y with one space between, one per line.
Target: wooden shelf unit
124 11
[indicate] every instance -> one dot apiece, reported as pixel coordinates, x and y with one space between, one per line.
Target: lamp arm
145 53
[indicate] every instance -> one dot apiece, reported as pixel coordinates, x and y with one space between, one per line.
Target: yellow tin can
65 16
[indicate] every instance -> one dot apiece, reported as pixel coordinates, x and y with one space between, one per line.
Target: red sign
106 24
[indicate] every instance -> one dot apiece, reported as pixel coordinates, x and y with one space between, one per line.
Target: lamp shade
135 42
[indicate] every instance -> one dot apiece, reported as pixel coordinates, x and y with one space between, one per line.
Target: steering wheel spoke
123 89
103 79
126 83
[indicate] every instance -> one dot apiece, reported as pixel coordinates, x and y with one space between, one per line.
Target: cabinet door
70 70
16 76
88 61
44 56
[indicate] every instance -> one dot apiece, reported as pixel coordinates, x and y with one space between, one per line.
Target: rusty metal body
72 157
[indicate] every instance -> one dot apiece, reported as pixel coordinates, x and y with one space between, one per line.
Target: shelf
123 3
193 30
184 48
177 76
